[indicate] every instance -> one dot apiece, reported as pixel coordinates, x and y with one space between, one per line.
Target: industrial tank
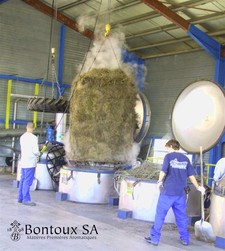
141 199
94 186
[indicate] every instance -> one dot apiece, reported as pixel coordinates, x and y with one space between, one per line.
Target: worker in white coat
29 153
219 172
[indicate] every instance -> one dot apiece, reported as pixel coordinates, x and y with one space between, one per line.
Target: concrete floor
110 233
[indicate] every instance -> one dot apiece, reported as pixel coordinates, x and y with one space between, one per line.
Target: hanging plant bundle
102 116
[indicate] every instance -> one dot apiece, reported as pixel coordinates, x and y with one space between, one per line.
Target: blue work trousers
178 205
26 180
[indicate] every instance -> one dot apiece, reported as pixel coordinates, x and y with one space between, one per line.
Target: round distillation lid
143 112
198 116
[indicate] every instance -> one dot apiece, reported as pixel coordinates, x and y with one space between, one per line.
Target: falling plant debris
102 116
147 171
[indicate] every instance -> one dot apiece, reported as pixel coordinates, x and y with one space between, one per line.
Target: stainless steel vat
142 200
87 186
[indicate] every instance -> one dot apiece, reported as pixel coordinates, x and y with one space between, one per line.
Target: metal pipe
18 132
36 92
32 81
8 104
14 127
13 138
61 119
61 53
23 96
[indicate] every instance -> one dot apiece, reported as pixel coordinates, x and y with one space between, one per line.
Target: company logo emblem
15 229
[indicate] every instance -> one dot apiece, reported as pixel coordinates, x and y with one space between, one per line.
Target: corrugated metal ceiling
148 34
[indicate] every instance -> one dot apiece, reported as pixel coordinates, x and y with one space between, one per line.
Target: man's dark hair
174 144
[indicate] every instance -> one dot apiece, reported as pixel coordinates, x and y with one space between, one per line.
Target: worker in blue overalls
28 162
172 183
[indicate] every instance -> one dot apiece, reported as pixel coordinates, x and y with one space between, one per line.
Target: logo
15 229
83 232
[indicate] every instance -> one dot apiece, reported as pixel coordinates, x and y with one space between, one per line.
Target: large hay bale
102 116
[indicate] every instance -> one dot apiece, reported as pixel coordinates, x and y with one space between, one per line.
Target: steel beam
59 17
170 27
169 14
147 16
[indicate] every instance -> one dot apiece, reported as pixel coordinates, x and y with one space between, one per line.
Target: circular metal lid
143 119
198 116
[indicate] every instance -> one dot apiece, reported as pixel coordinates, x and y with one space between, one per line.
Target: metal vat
87 186
142 200
44 181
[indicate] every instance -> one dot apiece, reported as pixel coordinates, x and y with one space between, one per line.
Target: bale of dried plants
102 116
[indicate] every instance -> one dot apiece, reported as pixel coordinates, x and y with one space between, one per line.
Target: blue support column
61 59
219 71
213 48
31 81
206 42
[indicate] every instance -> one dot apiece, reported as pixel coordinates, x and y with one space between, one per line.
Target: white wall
166 78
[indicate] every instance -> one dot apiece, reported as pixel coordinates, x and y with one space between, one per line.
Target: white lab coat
29 150
219 172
